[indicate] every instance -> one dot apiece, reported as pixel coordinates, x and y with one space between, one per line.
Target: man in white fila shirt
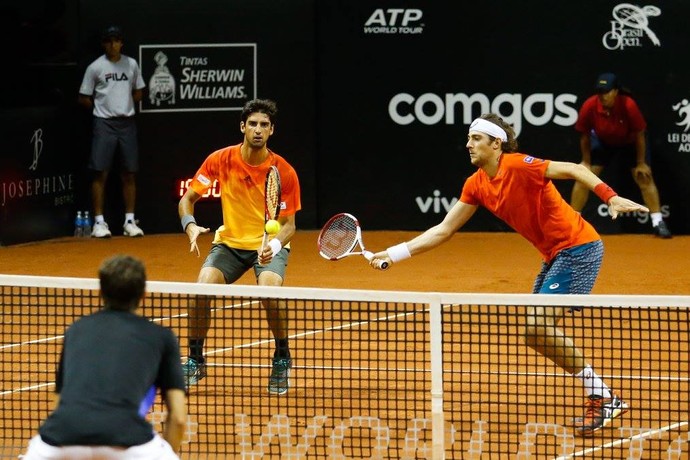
111 86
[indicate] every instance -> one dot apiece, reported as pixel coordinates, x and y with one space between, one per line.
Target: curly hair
266 106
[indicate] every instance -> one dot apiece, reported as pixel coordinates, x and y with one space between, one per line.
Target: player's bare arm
185 209
174 427
458 216
85 101
617 204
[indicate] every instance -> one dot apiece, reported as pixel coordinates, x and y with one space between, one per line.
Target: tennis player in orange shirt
518 189
241 172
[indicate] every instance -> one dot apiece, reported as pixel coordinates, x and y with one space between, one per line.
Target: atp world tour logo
630 24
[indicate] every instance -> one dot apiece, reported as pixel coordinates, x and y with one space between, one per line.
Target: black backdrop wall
375 100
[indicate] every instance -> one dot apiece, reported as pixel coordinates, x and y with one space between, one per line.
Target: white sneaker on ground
100 230
131 229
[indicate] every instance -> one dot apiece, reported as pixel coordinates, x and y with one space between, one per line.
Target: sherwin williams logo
630 25
198 77
394 21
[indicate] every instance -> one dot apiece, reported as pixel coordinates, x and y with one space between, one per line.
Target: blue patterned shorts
572 271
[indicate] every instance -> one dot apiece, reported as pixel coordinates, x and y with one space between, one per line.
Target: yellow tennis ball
272 227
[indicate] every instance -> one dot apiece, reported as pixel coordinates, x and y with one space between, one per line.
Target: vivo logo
436 204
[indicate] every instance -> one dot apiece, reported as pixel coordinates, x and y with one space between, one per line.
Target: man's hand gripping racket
272 192
340 237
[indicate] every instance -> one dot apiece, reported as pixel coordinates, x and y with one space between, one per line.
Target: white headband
487 127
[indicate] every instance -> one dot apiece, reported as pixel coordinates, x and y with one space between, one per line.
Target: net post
436 348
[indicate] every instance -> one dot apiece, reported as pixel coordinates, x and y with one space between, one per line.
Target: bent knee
210 275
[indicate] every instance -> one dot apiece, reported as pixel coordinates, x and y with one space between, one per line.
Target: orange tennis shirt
242 194
523 197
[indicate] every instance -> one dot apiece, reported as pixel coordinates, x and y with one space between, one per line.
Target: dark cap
606 82
112 32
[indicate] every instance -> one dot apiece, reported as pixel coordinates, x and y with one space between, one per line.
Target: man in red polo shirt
612 128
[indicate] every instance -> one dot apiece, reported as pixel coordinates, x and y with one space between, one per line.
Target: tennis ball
272 227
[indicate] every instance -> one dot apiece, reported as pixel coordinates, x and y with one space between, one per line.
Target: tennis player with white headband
571 249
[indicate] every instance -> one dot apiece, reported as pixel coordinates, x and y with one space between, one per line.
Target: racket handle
380 264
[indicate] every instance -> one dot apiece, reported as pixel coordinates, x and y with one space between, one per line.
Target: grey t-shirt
111 85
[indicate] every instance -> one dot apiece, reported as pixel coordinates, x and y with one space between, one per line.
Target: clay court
469 263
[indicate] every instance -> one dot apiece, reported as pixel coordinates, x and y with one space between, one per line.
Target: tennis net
379 374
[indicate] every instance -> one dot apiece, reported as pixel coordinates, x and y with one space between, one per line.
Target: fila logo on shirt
116 77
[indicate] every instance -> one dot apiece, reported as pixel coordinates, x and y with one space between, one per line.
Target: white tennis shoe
131 229
100 230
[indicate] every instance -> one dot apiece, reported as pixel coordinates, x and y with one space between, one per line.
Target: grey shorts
234 263
108 135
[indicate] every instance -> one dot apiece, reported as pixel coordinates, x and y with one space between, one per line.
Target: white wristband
399 252
275 245
186 220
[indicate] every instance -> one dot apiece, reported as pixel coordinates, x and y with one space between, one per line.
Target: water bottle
79 225
87 225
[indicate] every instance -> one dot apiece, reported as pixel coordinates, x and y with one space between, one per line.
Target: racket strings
339 237
272 196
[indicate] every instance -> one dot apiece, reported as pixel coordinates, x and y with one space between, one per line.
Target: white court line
58 337
31 342
317 331
619 442
29 388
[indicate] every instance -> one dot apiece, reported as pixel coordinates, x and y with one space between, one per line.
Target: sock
282 349
129 216
98 219
196 350
656 218
593 383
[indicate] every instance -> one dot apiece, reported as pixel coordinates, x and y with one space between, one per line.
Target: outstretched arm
185 209
617 204
458 216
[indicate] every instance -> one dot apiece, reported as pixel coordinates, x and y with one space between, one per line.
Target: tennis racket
272 199
340 237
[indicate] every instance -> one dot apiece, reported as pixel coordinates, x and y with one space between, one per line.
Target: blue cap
606 82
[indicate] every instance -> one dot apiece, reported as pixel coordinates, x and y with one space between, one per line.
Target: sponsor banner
37 183
424 81
631 27
195 78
